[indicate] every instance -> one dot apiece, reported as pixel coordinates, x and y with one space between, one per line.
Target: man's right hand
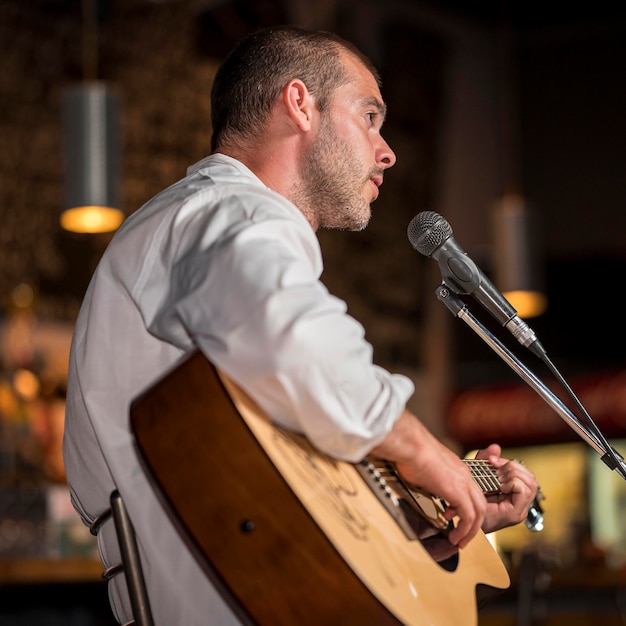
423 460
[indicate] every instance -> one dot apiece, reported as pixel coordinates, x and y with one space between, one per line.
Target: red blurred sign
515 414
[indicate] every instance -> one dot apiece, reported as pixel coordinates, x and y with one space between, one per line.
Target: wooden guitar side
293 536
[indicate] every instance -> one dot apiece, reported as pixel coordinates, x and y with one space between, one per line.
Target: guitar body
290 535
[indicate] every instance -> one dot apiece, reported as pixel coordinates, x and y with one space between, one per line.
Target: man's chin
365 216
359 222
349 219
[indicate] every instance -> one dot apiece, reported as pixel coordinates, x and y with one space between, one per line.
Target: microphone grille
427 231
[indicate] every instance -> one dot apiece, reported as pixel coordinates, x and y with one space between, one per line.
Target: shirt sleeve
250 297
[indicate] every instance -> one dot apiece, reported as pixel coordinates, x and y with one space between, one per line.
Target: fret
485 475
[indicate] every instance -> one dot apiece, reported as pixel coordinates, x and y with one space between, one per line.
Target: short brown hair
258 68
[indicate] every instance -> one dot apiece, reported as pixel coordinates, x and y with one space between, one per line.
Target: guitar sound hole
434 540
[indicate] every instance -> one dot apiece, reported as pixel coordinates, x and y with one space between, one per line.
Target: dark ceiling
532 14
520 14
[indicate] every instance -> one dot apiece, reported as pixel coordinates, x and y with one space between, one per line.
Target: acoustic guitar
291 536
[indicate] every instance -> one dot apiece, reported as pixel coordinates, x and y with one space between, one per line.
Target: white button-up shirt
221 263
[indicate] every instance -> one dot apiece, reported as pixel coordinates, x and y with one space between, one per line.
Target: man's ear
299 103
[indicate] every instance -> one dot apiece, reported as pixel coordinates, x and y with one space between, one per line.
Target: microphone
431 235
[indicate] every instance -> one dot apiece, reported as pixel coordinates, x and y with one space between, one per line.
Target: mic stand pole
459 309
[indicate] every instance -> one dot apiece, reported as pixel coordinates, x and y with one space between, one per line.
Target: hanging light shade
91 112
519 258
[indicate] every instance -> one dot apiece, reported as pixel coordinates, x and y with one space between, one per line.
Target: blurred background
506 117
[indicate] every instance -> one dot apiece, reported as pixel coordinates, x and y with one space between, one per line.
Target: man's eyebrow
377 104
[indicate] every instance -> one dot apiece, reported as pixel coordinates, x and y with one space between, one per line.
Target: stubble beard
331 184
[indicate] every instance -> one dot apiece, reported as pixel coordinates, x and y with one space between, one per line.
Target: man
226 261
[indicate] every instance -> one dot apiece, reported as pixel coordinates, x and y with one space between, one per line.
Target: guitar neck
485 475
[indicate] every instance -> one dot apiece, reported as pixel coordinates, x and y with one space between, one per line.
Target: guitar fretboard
485 475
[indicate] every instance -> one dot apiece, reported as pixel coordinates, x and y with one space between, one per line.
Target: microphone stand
459 309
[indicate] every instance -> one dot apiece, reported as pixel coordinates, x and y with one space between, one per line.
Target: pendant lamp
91 134
519 258
92 180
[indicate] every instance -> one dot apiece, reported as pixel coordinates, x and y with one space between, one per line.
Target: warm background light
91 219
527 303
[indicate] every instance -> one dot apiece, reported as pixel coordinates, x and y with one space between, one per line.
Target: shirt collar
223 159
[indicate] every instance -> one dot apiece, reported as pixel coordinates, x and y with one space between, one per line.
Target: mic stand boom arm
459 309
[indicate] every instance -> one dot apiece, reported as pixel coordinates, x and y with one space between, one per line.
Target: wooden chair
130 565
